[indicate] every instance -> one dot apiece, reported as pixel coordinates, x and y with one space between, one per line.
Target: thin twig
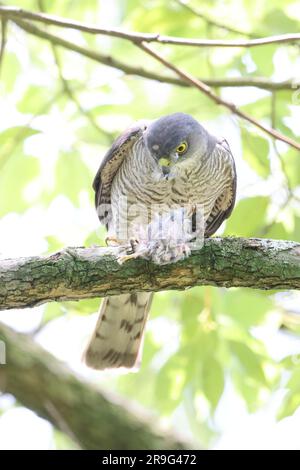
290 195
277 152
258 82
213 22
273 109
3 40
218 100
69 92
137 37
138 40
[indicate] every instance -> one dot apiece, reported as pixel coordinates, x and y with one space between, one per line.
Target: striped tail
119 331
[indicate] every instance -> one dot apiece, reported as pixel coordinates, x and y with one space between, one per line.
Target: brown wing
110 164
225 202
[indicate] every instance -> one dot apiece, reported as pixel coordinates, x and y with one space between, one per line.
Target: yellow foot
122 259
112 241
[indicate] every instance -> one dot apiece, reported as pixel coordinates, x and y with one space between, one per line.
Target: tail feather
119 331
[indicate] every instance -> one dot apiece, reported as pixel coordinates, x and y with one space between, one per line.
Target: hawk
170 164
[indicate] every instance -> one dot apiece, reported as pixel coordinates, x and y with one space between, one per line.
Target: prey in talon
162 187
166 239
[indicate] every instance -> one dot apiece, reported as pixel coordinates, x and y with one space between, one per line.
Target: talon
112 241
124 258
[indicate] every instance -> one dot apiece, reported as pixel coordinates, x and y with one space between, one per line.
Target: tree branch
78 273
184 78
218 100
213 22
136 37
258 82
92 419
140 41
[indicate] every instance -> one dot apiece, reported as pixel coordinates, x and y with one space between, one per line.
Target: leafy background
220 365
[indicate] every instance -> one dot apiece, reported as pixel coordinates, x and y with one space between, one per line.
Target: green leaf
213 380
151 348
248 361
18 171
246 307
290 404
190 309
256 152
261 56
259 107
278 23
292 165
292 400
250 391
170 383
290 362
247 217
52 311
35 95
141 386
294 382
72 175
10 70
96 237
11 138
296 233
53 244
278 231
166 304
82 307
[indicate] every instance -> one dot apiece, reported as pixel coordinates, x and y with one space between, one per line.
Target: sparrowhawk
168 164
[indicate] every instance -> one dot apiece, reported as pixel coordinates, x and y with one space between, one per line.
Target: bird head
176 138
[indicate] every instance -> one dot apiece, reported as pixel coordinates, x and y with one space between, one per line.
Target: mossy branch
78 273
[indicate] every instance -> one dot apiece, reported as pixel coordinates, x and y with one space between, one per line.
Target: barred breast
199 180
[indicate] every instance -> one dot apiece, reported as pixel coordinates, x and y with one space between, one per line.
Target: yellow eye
182 148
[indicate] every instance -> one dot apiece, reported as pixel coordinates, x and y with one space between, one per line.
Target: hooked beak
165 163
168 161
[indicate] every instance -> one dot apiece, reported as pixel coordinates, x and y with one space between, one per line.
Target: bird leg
125 251
131 251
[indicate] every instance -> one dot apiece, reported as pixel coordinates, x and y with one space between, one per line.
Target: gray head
174 138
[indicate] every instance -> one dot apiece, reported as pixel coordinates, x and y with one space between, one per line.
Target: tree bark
89 417
78 273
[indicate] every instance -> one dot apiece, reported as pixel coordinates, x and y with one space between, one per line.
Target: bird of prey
169 163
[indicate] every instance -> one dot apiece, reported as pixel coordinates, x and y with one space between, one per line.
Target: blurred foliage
51 141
